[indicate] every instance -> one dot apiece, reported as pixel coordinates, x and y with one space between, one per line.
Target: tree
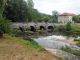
4 24
38 16
50 21
31 11
75 19
68 27
46 19
18 10
55 14
2 5
55 20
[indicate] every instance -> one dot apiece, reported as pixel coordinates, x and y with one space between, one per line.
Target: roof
68 14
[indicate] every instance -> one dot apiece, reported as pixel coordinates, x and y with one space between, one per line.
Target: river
50 42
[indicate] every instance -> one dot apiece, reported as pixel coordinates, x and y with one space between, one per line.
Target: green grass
32 44
29 32
67 49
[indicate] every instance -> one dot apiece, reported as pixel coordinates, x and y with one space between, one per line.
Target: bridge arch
21 29
32 28
50 27
42 27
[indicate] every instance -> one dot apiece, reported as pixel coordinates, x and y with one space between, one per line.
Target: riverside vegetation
73 31
67 49
14 48
69 31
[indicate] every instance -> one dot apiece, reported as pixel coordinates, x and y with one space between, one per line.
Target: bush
29 32
68 27
16 31
4 26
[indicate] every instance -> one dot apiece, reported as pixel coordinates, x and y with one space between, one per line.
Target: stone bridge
34 26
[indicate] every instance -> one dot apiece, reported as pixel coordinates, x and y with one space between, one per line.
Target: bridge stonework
24 26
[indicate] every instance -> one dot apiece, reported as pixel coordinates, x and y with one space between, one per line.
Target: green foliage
30 6
32 44
46 19
78 44
59 28
55 20
15 31
4 26
2 6
76 39
75 19
55 14
19 10
41 31
37 16
68 27
29 32
50 21
67 49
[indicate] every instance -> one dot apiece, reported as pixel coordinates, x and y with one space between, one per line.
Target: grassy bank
74 52
12 48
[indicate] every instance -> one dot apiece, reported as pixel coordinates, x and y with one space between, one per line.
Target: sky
62 6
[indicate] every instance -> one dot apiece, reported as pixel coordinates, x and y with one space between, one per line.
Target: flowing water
51 42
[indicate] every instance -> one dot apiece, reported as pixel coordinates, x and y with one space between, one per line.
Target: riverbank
11 48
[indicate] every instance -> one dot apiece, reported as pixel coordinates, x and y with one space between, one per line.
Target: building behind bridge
65 17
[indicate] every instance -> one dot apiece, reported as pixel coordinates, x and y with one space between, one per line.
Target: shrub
68 27
4 26
16 31
29 32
